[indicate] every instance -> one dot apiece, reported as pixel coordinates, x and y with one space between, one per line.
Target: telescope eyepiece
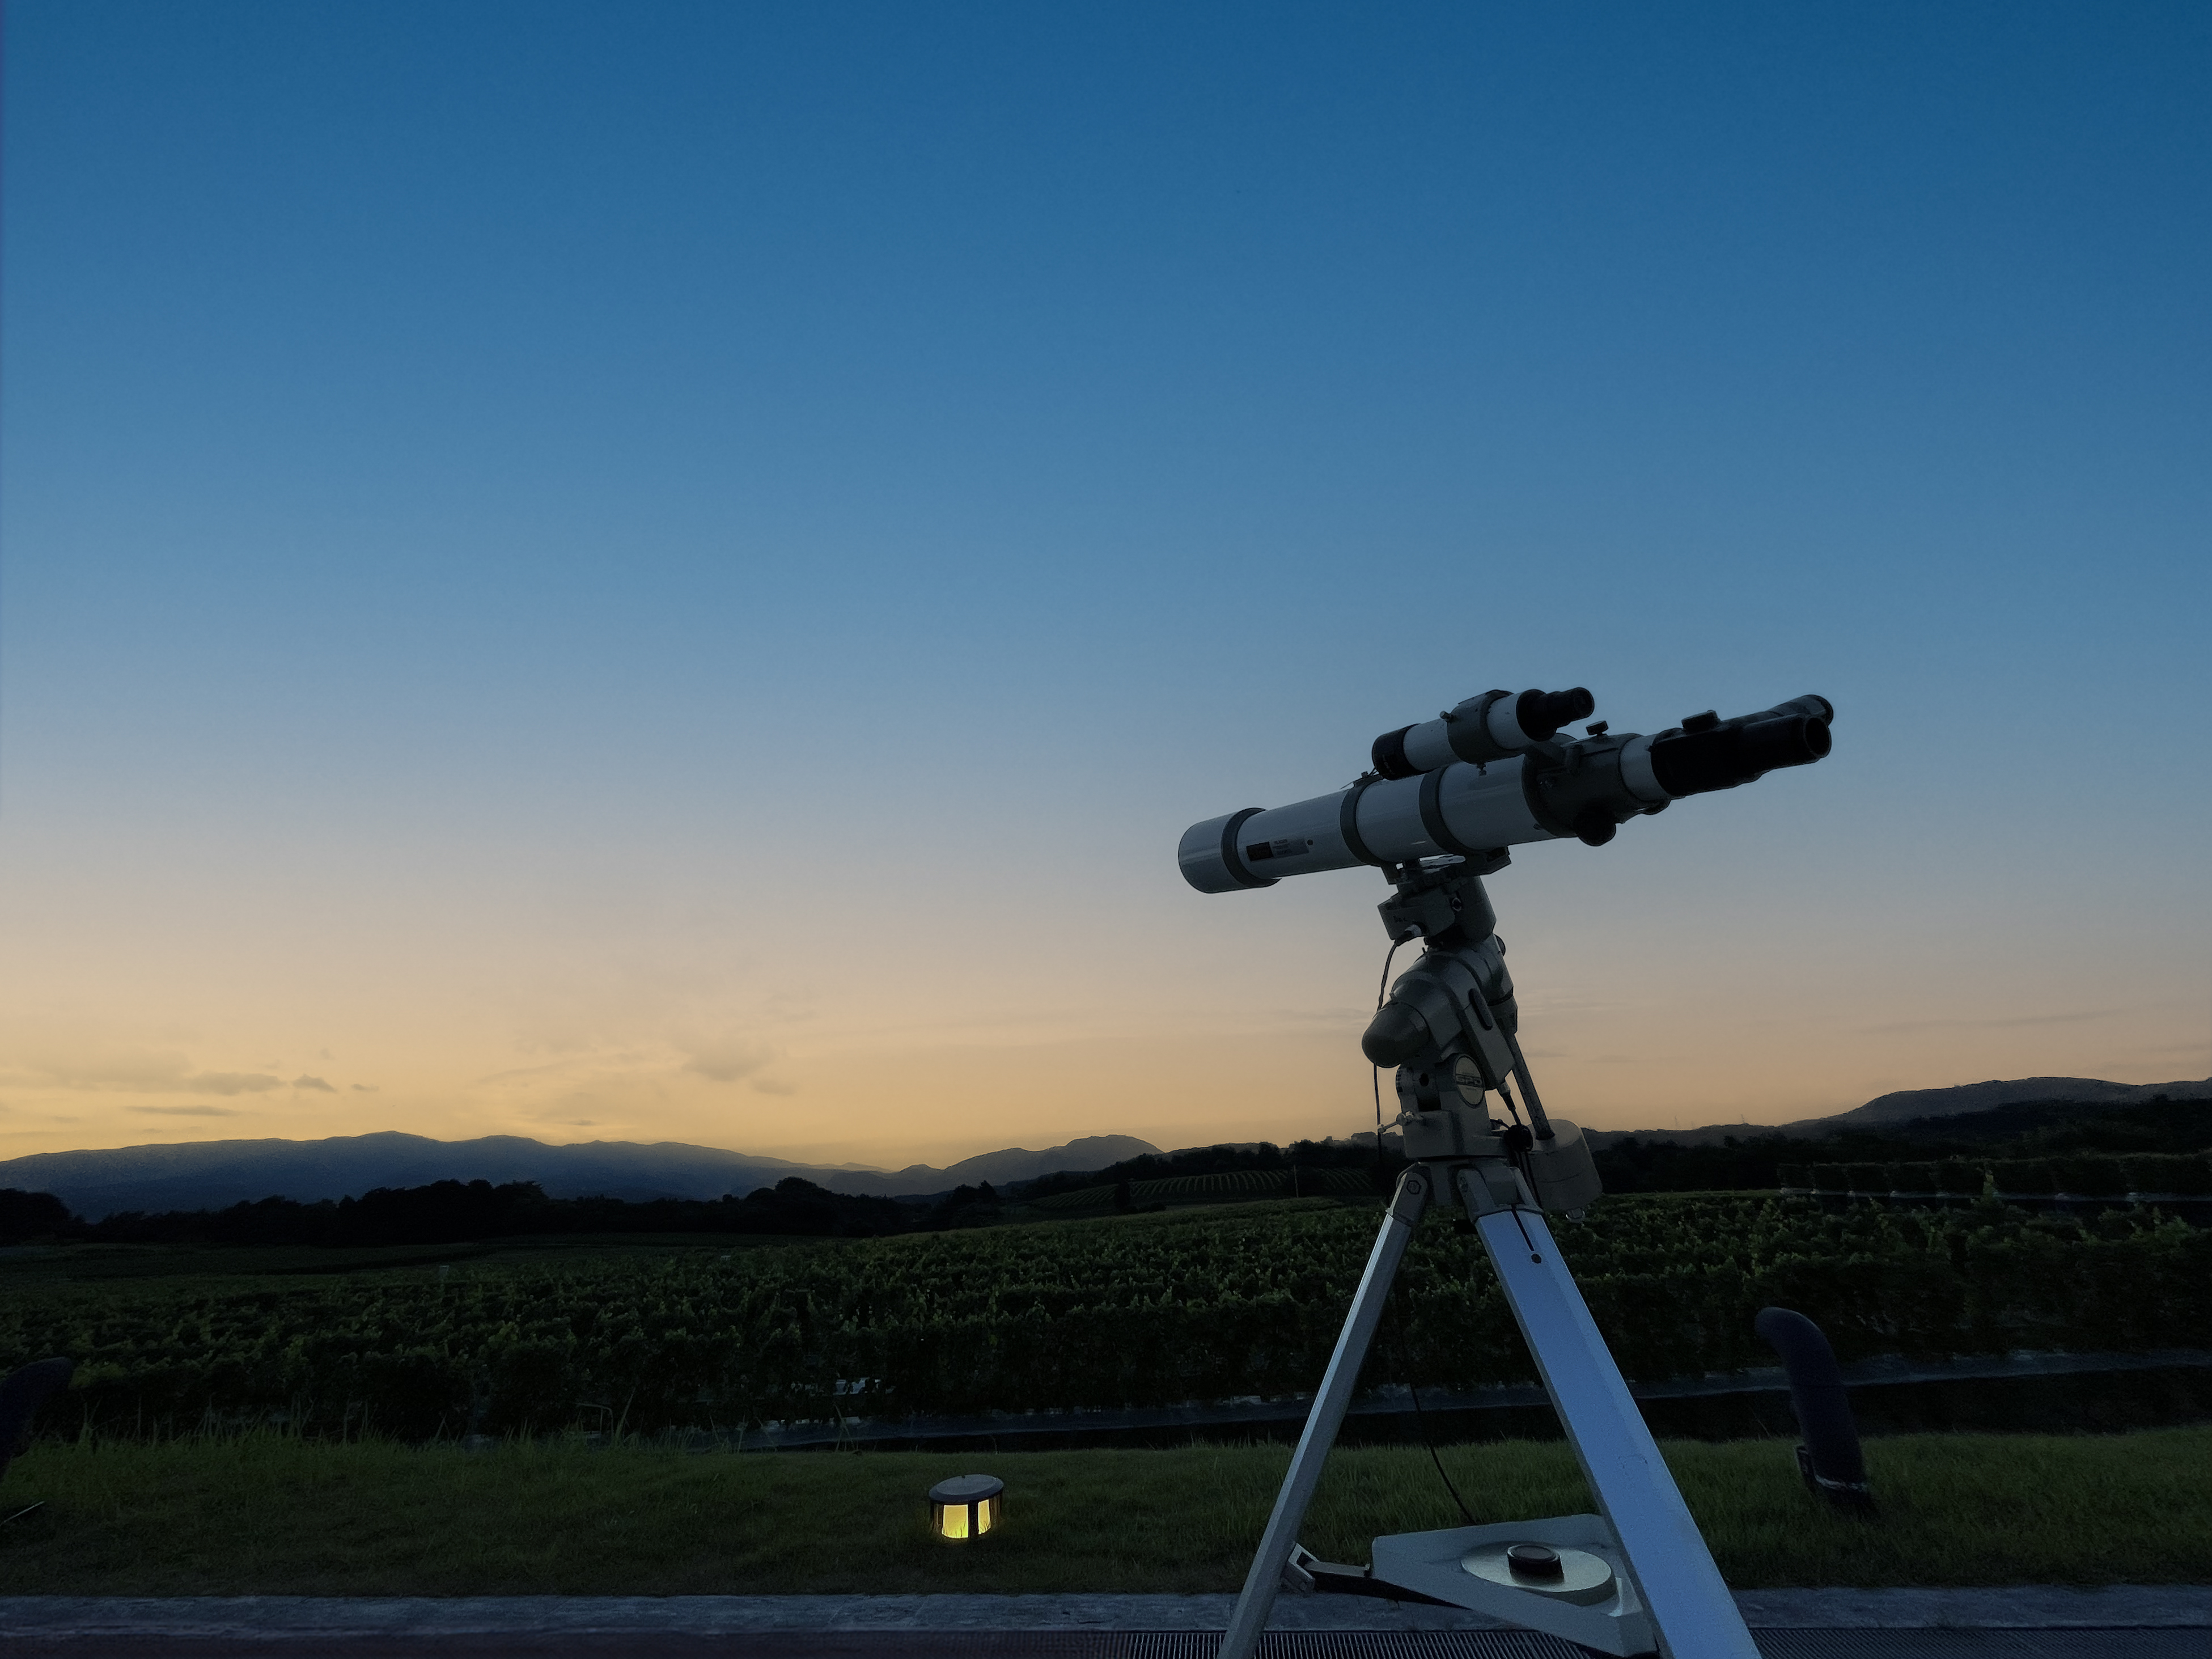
1541 714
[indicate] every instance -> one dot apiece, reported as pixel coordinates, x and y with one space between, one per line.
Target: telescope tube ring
1347 820
1239 872
1433 817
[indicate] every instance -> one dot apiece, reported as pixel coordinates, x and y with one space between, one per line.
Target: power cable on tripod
1420 1420
1375 1073
1512 1105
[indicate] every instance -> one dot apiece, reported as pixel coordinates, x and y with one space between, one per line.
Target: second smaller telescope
1485 728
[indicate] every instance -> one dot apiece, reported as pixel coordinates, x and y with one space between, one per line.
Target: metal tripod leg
1690 1608
1266 1578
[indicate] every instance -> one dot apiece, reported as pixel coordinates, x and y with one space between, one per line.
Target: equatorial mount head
1440 900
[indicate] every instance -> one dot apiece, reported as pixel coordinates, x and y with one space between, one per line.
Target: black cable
1421 1419
1375 1073
1383 988
1511 1104
1397 1308
1466 1514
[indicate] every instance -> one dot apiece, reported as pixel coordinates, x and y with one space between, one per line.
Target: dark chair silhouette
21 1396
1830 1459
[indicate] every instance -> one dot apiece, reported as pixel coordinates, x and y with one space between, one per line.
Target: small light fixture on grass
967 1506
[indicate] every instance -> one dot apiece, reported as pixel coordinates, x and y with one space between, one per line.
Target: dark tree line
2029 1130
1219 1160
1653 1164
451 1212
34 1215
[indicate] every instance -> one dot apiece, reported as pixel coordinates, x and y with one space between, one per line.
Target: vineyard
2145 1178
1226 1187
1133 1310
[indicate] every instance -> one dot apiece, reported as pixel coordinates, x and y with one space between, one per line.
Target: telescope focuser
1705 752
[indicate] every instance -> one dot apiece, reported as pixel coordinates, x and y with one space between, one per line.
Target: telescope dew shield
1209 856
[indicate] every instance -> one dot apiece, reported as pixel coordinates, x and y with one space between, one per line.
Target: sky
676 572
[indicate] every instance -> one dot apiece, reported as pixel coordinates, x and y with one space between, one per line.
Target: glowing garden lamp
966 1506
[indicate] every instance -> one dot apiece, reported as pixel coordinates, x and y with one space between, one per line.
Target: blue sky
642 572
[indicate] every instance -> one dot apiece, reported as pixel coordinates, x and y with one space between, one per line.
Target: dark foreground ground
2125 1622
1186 1644
265 1516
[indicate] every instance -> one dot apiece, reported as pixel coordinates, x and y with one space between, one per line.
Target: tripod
1633 1579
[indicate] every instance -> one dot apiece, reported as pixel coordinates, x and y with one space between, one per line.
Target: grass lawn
274 1516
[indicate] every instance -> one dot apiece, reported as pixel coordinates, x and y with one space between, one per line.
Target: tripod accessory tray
1592 1603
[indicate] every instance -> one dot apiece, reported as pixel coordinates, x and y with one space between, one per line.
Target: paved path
2022 1623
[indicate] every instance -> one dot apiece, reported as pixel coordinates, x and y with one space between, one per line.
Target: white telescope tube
1455 809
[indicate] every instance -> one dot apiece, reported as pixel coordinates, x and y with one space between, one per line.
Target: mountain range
213 1173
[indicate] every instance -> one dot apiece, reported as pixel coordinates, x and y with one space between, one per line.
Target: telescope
1442 806
1475 780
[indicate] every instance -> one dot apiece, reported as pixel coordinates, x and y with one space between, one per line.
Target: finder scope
1488 775
1485 728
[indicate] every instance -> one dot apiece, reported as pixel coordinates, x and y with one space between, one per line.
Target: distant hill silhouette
212 1175
1906 1105
1014 1163
217 1174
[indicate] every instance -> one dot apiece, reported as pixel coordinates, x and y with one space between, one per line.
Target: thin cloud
143 1073
2012 1023
306 1082
230 1083
185 1111
559 1068
363 1088
729 1059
